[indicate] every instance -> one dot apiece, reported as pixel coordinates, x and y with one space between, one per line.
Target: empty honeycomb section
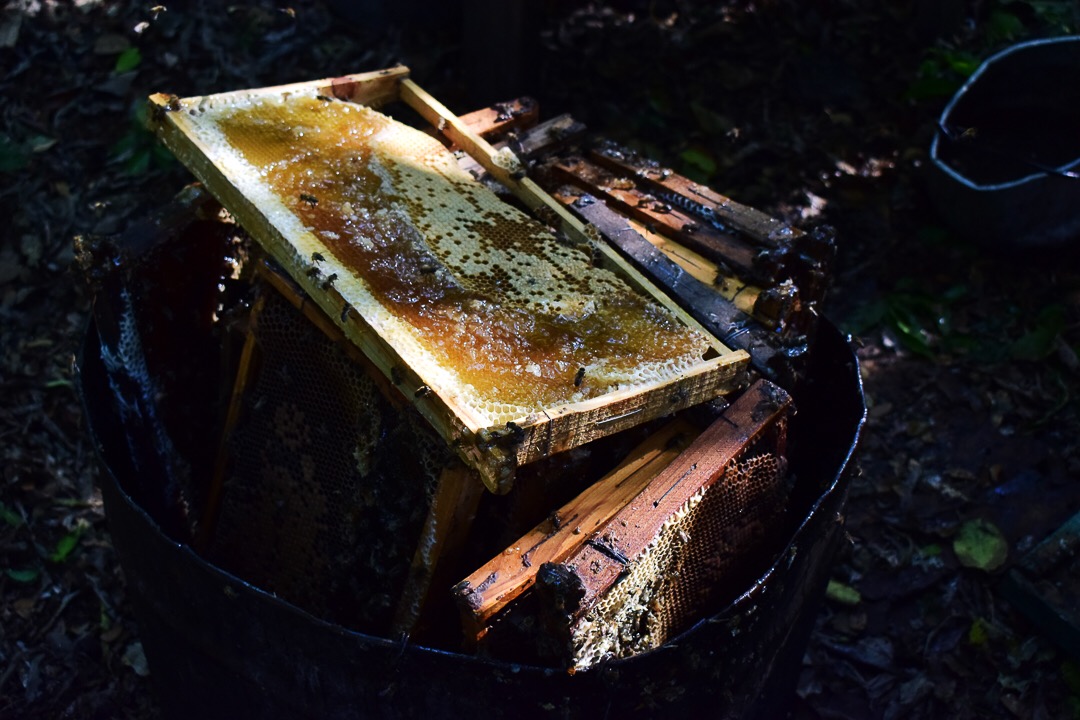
328 485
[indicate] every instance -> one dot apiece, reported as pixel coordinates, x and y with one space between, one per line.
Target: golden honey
519 319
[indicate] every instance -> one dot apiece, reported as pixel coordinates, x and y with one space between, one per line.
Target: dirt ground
814 112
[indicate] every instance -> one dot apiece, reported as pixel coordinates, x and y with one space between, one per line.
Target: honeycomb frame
494 443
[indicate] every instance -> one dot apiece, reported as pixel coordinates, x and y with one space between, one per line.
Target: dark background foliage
813 111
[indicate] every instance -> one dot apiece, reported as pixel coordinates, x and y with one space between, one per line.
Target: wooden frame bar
784 251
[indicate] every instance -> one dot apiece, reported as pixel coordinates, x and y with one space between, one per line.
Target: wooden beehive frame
495 452
496 584
616 549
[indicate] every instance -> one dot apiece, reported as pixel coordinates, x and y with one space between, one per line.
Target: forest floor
969 355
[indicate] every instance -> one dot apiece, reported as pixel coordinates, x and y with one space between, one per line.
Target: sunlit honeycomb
481 300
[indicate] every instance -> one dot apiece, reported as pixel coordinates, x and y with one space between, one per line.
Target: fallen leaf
112 633
24 576
24 607
135 658
9 31
980 544
65 545
9 516
843 594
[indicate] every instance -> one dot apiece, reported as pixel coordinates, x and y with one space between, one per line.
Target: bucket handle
954 136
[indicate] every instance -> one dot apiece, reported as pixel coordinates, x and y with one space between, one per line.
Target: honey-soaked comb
473 285
514 340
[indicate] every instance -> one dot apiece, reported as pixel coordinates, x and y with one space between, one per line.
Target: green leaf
660 101
865 317
962 64
71 502
24 576
128 60
699 159
910 330
1001 26
1059 14
708 120
9 516
843 594
979 634
955 293
931 550
980 544
1039 342
13 155
65 546
139 162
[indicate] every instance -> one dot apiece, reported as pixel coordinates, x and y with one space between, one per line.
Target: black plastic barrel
219 647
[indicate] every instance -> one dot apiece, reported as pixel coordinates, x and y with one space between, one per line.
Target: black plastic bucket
219 647
1005 162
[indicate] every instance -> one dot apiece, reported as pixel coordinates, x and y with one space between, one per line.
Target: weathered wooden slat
519 114
546 137
742 294
786 251
778 303
620 192
763 229
497 583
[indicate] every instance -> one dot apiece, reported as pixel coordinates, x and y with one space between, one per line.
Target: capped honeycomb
490 307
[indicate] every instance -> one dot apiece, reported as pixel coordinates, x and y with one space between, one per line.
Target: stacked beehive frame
493 443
